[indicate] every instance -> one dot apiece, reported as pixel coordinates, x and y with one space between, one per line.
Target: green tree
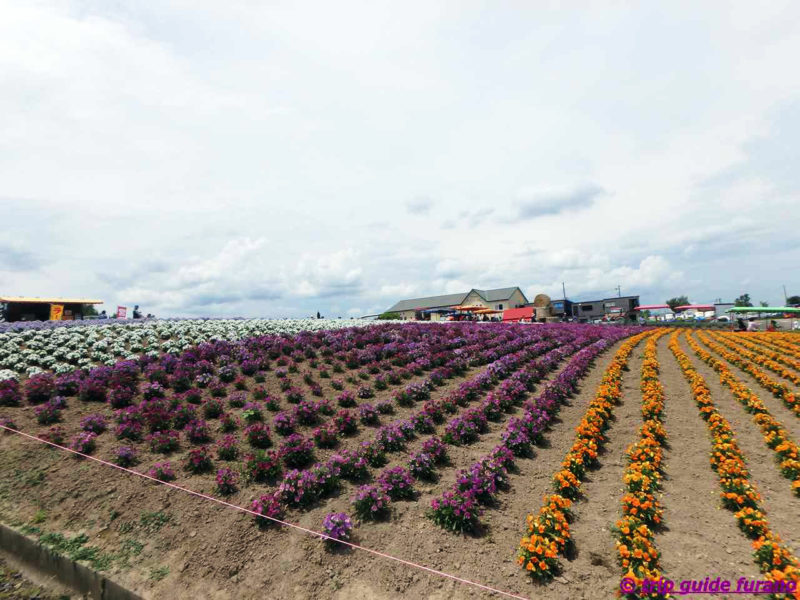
389 316
763 303
677 301
793 300
743 300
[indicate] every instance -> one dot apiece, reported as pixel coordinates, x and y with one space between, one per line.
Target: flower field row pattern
195 405
764 352
783 342
548 534
28 348
642 514
738 494
459 508
757 355
778 389
776 437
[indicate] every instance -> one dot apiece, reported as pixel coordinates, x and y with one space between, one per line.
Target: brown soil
782 507
191 548
700 538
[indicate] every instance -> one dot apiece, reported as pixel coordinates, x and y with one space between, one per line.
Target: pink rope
285 523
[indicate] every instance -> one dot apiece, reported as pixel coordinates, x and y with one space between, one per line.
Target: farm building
608 308
17 308
498 299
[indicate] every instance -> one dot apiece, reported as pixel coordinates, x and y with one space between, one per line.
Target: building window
586 307
499 307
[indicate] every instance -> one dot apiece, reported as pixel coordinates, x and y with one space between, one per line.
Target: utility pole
619 291
564 290
785 297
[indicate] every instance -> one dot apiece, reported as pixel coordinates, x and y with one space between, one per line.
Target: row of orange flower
779 390
641 511
548 534
759 356
738 493
786 342
764 348
775 435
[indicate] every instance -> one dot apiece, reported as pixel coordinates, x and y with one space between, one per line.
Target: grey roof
499 294
429 302
453 299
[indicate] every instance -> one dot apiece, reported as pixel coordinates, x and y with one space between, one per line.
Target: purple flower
163 441
162 471
47 414
268 507
95 423
346 399
297 451
397 483
84 442
227 481
258 435
337 526
368 415
197 431
262 466
455 510
436 448
228 448
126 456
371 502
9 393
284 423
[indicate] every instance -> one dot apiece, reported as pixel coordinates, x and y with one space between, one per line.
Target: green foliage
76 549
39 517
158 573
677 301
390 316
89 310
151 522
793 300
126 527
743 300
130 548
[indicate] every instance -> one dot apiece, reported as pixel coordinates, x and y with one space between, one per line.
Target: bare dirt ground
179 546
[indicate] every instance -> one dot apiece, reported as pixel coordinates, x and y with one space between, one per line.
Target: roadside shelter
21 308
765 312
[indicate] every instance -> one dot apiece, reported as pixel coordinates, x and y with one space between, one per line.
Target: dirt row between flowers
782 507
700 539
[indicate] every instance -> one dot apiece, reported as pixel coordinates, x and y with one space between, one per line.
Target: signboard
56 312
122 311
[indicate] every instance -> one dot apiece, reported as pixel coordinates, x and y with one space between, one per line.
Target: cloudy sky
278 158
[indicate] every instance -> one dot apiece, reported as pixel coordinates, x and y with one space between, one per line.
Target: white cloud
242 159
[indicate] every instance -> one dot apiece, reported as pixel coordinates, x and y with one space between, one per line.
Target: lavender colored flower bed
221 411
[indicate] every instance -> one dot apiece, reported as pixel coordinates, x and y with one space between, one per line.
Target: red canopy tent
513 315
652 307
704 307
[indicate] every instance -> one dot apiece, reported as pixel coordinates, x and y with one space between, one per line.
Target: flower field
63 346
553 460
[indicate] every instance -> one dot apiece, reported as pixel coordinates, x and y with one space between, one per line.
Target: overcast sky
207 158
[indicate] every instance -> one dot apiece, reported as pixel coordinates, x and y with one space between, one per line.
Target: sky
275 159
